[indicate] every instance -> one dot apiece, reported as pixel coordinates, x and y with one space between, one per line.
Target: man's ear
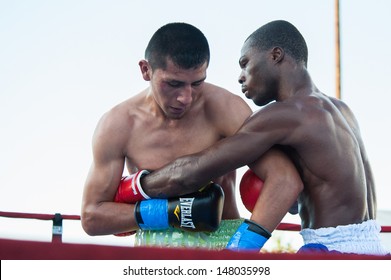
145 69
278 54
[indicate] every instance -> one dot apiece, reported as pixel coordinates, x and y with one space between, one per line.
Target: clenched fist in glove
198 211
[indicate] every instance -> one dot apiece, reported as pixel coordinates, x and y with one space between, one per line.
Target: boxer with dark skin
320 134
178 114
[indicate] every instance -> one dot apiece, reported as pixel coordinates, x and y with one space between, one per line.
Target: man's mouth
245 91
177 110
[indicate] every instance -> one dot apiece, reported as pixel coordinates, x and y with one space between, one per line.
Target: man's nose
241 78
185 97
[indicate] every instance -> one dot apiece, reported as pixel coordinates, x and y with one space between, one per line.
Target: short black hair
281 34
183 43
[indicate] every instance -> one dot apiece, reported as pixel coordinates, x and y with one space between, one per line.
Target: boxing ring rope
56 249
57 219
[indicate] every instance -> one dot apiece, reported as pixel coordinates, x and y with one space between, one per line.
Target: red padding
33 250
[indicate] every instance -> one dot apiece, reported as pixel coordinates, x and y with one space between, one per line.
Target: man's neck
296 82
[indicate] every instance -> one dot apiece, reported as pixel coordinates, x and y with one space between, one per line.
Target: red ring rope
36 216
281 226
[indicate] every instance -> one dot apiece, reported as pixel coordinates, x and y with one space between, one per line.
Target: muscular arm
282 186
188 173
100 215
226 112
256 136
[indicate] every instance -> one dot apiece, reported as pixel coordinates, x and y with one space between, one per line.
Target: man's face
256 76
175 89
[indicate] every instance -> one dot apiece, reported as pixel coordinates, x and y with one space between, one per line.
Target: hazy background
64 63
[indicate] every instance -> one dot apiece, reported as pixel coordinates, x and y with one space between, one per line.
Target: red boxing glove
129 189
250 188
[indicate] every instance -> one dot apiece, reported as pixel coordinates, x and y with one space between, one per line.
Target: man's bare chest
152 149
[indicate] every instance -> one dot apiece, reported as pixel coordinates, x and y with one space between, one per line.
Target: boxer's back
328 153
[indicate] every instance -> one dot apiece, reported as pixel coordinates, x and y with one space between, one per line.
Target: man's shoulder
213 90
121 116
125 108
224 109
217 96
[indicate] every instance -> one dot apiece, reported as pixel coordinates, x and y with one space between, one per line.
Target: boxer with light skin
320 134
178 114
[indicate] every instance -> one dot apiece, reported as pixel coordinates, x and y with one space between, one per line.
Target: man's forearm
177 178
189 173
108 218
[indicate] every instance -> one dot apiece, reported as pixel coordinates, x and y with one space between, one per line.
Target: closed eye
198 83
175 84
243 62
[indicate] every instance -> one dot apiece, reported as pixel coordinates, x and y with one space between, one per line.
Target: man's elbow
297 185
291 183
89 220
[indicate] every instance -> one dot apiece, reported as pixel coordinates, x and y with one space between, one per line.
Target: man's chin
260 103
175 116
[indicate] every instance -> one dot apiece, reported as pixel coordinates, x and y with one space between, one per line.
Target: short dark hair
183 43
281 34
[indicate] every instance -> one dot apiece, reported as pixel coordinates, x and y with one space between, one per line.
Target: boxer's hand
251 187
199 211
249 237
130 190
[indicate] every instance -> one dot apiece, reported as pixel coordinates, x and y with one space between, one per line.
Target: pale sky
64 63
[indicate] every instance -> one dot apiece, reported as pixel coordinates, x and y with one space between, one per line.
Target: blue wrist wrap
246 239
152 214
